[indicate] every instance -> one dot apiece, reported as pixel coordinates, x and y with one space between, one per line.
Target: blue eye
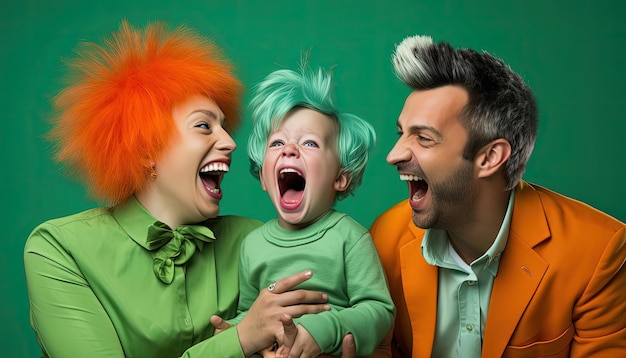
276 143
311 144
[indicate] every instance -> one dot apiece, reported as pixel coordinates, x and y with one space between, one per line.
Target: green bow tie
174 247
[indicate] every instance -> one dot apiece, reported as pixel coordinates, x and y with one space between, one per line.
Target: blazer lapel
519 273
419 280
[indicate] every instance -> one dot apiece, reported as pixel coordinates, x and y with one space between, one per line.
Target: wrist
247 340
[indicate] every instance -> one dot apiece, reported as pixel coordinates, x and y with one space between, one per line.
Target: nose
290 150
399 153
225 142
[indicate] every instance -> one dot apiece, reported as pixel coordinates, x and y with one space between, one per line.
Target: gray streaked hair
500 104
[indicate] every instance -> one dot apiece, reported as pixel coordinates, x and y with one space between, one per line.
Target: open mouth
291 185
211 175
418 187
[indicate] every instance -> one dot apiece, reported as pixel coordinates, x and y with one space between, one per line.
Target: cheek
266 176
438 164
328 167
263 179
266 167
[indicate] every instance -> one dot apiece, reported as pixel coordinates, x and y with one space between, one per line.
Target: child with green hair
307 154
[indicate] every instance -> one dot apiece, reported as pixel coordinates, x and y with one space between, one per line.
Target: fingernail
327 307
350 340
308 273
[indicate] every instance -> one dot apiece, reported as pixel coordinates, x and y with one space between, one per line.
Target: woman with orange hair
145 123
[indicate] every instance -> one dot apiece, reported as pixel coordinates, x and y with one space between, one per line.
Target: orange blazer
560 290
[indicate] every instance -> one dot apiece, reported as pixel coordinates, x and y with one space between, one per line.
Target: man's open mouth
418 187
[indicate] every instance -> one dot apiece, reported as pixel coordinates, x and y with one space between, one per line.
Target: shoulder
81 218
233 225
67 240
394 223
347 222
557 226
563 213
393 230
348 231
399 214
67 228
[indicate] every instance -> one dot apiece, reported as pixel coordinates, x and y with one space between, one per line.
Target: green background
570 52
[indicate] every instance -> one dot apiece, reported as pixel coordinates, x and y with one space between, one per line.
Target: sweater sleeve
371 311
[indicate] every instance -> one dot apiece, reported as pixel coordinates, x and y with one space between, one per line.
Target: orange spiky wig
115 116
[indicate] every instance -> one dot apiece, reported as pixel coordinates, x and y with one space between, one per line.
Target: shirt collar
435 245
134 219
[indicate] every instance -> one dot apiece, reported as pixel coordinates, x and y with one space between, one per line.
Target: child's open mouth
291 185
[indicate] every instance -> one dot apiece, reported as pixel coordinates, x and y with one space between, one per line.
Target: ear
342 181
262 180
150 166
492 157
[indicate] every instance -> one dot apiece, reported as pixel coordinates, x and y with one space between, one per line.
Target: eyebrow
206 112
210 114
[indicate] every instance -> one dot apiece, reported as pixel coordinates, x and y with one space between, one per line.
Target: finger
268 353
219 323
300 310
289 282
348 349
298 297
290 331
282 352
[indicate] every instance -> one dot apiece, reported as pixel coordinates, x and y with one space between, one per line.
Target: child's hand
219 324
291 332
268 353
302 346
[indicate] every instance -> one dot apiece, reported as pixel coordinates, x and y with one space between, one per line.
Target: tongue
209 182
292 196
419 193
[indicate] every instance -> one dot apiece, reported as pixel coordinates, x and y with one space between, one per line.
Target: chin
289 219
423 222
210 213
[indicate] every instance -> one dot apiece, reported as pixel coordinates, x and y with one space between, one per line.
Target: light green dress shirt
345 265
93 291
464 291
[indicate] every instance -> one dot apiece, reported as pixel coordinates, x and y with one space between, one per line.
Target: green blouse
94 293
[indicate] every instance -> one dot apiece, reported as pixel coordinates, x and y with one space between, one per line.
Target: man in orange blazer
479 262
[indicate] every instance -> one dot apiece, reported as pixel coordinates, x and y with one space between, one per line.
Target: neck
300 225
157 208
473 238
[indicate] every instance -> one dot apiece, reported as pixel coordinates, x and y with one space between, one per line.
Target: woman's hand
262 323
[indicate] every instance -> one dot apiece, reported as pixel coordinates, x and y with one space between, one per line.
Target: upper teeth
409 177
290 170
214 167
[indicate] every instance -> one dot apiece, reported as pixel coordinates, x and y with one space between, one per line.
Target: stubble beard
451 201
